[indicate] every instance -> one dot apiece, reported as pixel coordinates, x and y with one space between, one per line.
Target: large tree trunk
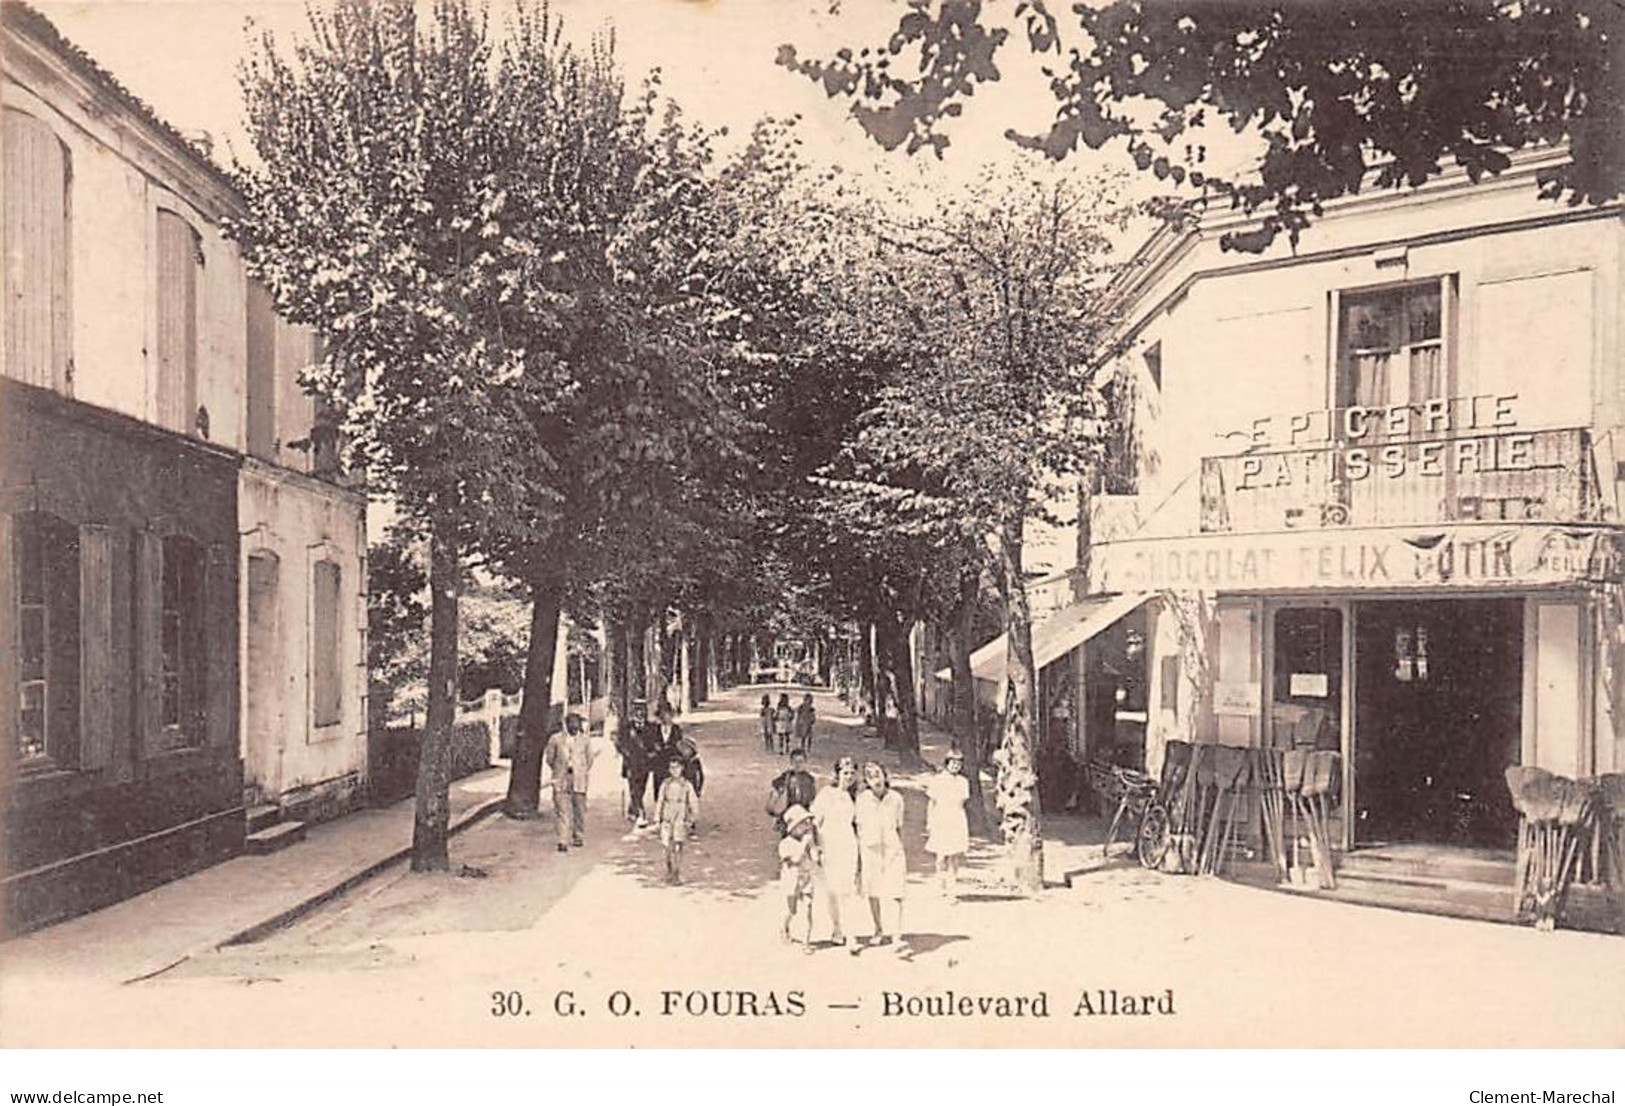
433 813
536 707
899 664
867 684
1018 777
614 677
962 710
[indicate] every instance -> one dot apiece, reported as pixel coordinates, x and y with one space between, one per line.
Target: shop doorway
1437 705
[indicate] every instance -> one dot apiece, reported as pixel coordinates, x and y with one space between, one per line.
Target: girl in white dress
834 817
883 868
946 833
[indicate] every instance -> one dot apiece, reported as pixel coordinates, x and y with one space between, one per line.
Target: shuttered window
44 591
180 256
261 373
326 684
36 183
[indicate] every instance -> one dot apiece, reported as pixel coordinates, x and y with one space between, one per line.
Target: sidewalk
162 927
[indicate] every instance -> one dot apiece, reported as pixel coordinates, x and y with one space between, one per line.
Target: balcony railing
1513 475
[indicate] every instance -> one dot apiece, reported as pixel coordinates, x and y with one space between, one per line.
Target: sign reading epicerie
1454 556
1446 415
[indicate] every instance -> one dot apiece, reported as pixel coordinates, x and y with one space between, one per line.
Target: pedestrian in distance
798 863
767 722
637 760
947 835
676 810
792 787
784 721
805 717
569 757
834 818
882 865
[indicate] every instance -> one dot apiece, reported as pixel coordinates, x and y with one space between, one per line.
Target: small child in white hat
798 860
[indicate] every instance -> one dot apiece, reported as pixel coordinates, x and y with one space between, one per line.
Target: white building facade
1376 499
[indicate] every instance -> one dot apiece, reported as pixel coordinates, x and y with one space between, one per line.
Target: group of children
784 726
801 849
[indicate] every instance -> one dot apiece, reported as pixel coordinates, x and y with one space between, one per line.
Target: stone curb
261 930
284 918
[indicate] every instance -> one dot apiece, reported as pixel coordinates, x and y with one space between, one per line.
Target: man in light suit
569 757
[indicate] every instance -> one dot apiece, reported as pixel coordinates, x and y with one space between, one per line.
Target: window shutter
177 322
8 641
36 255
327 687
149 599
220 646
95 647
262 397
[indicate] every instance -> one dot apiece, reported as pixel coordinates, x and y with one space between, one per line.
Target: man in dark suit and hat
636 744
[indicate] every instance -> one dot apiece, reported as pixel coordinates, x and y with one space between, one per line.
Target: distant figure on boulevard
569 757
805 717
637 763
676 810
947 834
791 788
834 816
798 863
784 721
882 865
767 722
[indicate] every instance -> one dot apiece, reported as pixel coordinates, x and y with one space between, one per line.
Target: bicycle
1138 802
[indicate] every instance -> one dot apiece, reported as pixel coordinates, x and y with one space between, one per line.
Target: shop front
1428 660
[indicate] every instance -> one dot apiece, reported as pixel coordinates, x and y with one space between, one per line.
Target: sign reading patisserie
1468 555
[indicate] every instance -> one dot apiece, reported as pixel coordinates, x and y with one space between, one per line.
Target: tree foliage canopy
1329 88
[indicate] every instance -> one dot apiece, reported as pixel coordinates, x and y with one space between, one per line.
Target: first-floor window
181 653
46 575
1392 346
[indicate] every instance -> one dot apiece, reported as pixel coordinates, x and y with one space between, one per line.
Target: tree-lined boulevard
592 948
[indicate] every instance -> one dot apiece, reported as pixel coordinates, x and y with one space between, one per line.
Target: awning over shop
1057 636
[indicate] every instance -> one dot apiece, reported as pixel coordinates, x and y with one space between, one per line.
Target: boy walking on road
675 813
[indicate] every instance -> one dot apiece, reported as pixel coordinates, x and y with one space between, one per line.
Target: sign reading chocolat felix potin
1464 556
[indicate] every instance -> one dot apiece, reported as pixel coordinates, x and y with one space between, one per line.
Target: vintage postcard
812 524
